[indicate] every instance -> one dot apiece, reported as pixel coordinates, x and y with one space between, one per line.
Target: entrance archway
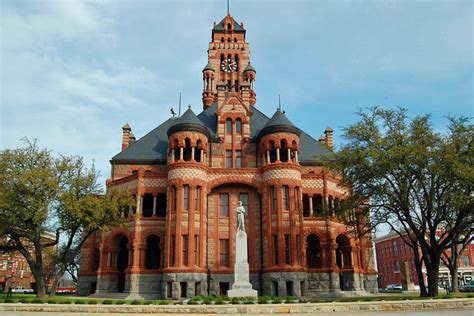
122 262
343 257
313 252
153 252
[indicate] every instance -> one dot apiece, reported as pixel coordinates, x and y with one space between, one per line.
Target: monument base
242 293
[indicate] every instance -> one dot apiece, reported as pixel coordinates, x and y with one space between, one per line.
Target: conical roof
208 67
279 123
249 68
188 122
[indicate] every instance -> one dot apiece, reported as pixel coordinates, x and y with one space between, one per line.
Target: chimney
126 133
322 139
329 140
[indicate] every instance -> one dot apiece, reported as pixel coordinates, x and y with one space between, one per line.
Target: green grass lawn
64 299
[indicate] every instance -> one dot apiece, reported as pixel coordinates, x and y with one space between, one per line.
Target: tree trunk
454 278
56 280
37 272
419 272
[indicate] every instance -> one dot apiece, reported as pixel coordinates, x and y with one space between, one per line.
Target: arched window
187 150
235 39
313 252
222 39
134 172
228 27
176 150
272 151
122 262
197 152
343 252
283 151
228 126
238 126
153 252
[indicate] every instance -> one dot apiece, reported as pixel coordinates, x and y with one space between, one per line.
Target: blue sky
74 72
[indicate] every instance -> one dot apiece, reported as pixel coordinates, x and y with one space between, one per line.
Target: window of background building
224 252
224 204
395 249
238 158
228 158
465 261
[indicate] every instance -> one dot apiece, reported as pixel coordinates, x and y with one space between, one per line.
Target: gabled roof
221 26
153 147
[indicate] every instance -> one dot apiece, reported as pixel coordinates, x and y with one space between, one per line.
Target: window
197 199
318 204
465 261
161 205
289 288
174 198
238 158
395 249
274 199
196 250
238 126
244 197
228 126
275 249
397 266
224 252
186 197
274 288
184 289
224 204
287 249
306 210
228 158
172 257
185 250
96 260
147 208
285 198
223 288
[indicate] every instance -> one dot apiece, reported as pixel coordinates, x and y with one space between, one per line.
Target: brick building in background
14 269
188 175
392 253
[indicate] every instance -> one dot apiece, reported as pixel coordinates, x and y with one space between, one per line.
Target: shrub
147 302
262 300
52 301
66 302
108 302
37 301
276 300
219 301
136 302
207 301
249 302
165 302
92 302
120 302
9 300
235 300
192 302
24 300
79 302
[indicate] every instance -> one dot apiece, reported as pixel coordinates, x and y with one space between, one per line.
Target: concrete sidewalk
262 309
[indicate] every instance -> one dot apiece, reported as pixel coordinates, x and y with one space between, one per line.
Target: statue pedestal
241 286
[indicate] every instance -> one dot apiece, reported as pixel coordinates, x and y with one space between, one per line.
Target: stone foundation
85 285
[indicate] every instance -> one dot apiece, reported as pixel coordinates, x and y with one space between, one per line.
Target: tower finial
179 106
279 103
228 9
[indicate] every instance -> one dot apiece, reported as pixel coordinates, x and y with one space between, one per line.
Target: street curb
300 308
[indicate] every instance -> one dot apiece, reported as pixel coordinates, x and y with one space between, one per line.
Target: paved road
448 312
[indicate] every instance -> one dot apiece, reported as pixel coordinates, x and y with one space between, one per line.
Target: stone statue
240 217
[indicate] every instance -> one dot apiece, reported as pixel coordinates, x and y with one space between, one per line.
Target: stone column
192 207
181 152
154 205
310 196
192 153
289 155
278 155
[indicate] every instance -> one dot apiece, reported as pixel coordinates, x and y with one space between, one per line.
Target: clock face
229 65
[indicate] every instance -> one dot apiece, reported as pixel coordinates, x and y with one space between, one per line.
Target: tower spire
279 103
228 8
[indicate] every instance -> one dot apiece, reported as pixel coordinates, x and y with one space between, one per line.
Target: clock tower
228 67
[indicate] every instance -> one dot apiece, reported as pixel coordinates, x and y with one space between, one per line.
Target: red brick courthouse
188 175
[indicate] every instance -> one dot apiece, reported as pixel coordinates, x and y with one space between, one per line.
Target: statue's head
240 203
